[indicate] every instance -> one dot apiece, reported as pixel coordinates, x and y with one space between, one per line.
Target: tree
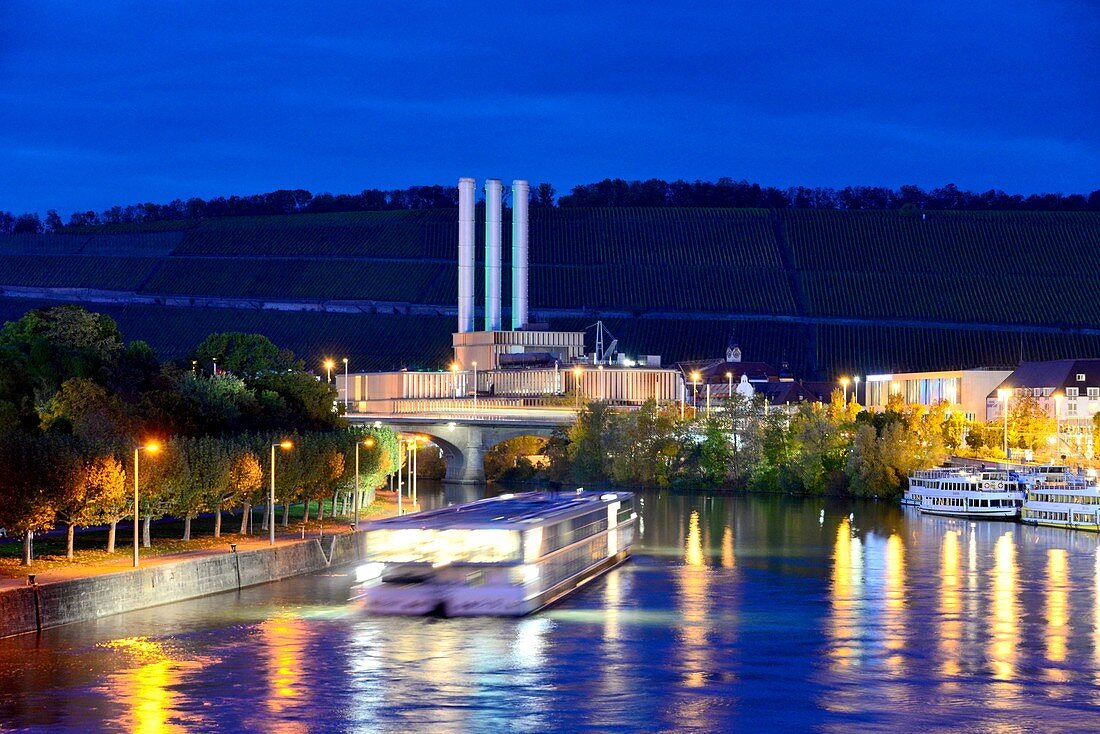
113 500
61 343
200 472
588 453
245 478
94 491
245 355
85 409
29 480
1029 426
297 401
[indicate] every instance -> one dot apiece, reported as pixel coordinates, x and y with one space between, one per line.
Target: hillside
832 291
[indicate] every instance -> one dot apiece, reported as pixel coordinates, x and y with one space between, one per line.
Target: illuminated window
1071 392
1080 376
1094 392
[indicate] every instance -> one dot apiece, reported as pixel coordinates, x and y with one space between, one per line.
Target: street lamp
577 372
729 378
599 383
475 386
844 383
454 379
369 443
1003 394
194 366
347 388
329 364
215 361
694 391
152 447
1058 398
285 446
855 389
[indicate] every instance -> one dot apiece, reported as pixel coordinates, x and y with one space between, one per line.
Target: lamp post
215 361
194 366
708 400
369 443
475 386
844 383
1058 397
1003 394
599 383
152 447
328 365
285 446
855 389
729 379
577 372
347 388
694 392
454 380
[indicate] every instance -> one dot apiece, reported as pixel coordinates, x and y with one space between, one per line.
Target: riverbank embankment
40 606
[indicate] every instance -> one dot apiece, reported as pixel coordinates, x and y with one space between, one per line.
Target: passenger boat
1062 500
507 556
962 493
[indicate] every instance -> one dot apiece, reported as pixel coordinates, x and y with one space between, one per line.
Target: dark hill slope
831 290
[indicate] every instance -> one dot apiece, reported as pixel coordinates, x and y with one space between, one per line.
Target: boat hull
460 600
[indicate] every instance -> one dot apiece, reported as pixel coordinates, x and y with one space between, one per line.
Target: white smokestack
465 255
492 254
520 196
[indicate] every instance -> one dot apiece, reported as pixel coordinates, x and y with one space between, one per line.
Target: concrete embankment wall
27 609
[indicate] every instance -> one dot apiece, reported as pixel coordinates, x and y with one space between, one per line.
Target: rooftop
523 509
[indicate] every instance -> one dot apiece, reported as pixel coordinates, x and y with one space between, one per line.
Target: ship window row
570 563
1046 515
964 502
1066 498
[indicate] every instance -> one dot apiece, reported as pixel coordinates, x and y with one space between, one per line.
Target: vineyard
683 275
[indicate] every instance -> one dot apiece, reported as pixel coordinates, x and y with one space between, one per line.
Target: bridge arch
464 444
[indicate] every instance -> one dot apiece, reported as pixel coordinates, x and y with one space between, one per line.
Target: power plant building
501 365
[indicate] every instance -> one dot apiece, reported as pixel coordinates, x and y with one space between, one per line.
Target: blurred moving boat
506 556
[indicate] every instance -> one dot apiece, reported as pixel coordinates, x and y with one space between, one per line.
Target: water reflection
147 686
738 613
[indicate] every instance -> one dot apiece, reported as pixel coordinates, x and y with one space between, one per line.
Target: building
517 367
719 378
1067 389
965 390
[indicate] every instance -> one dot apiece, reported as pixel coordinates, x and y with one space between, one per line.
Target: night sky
115 102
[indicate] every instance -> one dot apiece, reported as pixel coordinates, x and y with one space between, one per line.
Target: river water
742 613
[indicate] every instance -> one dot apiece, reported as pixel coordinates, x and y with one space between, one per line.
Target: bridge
465 433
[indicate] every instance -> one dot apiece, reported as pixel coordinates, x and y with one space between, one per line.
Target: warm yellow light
286 445
844 381
577 371
1003 393
369 442
695 376
454 367
729 375
329 364
152 447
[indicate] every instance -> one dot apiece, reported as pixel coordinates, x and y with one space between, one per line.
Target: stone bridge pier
464 444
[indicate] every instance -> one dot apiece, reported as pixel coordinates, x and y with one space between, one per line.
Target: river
742 613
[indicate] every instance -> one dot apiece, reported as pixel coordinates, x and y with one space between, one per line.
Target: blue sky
117 102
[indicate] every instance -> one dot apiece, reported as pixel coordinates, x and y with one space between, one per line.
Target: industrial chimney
465 255
492 254
520 196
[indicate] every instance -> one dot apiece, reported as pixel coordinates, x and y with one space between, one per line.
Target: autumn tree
244 479
94 492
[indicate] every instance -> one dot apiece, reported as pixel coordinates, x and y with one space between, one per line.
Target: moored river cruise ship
963 493
1064 501
506 556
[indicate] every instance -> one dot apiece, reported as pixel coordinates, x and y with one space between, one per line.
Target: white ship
506 556
963 493
1060 499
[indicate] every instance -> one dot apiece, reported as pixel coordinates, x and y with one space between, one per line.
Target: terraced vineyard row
359 234
983 244
862 349
75 271
415 282
954 297
647 288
